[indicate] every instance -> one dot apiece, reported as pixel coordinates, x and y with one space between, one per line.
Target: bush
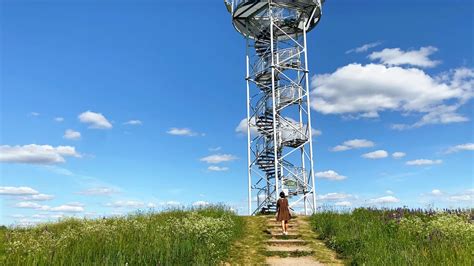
398 237
176 237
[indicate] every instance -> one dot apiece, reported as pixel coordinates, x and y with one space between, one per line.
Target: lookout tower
280 149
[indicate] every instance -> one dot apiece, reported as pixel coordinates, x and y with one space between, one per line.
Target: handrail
283 55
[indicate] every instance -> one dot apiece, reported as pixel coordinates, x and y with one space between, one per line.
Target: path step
279 225
285 254
286 242
304 261
288 248
288 236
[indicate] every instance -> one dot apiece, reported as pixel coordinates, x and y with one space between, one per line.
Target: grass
250 248
176 237
320 252
398 237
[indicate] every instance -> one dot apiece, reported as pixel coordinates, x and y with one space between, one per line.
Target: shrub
399 237
176 237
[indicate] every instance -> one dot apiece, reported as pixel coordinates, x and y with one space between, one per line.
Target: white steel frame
272 187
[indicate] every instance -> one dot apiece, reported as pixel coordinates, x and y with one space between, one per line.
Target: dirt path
299 247
264 244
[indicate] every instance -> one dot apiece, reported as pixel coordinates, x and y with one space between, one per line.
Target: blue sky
112 106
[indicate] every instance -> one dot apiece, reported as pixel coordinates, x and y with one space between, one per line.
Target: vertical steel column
300 109
248 129
309 118
275 140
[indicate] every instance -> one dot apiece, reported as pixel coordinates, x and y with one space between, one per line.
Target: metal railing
283 57
294 179
293 131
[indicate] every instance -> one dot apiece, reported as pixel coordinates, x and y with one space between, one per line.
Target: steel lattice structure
280 149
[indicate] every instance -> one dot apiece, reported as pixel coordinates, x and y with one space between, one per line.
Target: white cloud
343 203
396 56
334 196
58 170
67 208
126 204
353 144
218 158
389 192
182 132
31 205
25 193
242 127
436 192
467 196
461 147
461 198
286 126
99 191
200 203
17 191
170 203
38 197
376 154
95 120
364 48
385 199
59 119
361 89
217 168
398 155
423 162
133 123
72 135
34 114
36 154
330 174
441 114
71 207
215 148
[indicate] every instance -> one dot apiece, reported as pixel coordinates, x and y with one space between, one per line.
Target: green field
194 237
399 237
213 235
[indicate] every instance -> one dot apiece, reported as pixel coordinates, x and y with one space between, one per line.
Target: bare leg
283 226
286 226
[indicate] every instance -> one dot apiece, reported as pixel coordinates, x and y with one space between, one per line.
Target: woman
283 212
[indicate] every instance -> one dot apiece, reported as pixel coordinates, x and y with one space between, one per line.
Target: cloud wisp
330 175
72 134
18 191
71 207
461 147
218 158
396 57
421 162
134 122
384 200
99 191
216 168
183 132
36 154
95 120
364 48
398 155
379 154
353 144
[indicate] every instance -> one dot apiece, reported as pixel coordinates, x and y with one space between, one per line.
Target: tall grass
194 237
401 237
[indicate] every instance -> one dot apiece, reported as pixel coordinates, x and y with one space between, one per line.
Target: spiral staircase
275 30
